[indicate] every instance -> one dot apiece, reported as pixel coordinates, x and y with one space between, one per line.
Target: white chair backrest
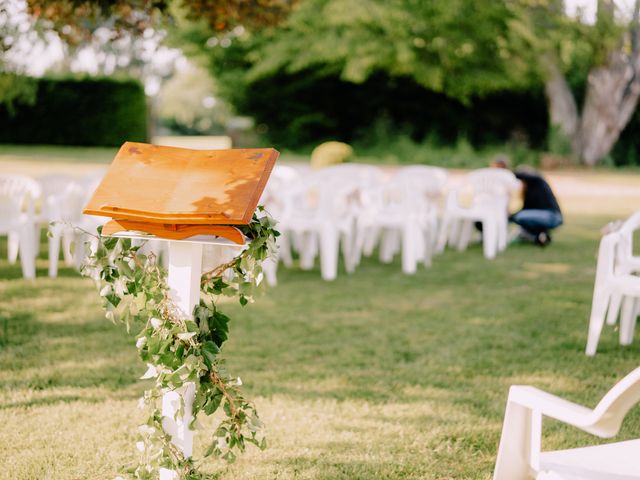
319 196
356 174
607 253
338 190
62 198
20 187
284 174
418 186
435 177
625 246
631 224
18 195
489 184
275 196
615 405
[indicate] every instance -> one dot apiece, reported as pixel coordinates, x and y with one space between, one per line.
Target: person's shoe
525 237
543 239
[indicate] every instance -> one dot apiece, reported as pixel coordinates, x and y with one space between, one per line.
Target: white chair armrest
551 405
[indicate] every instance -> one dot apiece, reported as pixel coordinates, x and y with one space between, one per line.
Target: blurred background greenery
403 81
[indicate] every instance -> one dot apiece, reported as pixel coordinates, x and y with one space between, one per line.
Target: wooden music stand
188 198
175 193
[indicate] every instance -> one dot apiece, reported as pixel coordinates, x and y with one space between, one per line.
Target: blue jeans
536 221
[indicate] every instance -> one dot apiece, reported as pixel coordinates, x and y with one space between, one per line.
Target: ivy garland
179 350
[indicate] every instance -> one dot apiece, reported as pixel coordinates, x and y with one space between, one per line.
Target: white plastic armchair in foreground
520 456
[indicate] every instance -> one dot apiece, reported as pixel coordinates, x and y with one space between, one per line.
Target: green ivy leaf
210 351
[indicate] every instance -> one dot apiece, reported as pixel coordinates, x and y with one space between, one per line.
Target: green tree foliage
458 47
14 89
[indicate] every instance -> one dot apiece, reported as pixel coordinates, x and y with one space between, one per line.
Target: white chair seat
613 461
627 284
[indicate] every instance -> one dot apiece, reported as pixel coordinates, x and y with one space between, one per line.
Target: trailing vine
179 350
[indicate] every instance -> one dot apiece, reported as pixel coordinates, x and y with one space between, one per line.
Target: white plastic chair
490 190
625 264
18 195
403 212
520 456
62 199
321 212
611 288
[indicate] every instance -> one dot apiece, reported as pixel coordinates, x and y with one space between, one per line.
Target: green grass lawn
377 375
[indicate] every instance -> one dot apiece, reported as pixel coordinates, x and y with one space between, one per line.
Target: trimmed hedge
100 112
307 108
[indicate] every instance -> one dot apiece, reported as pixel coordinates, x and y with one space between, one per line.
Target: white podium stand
185 271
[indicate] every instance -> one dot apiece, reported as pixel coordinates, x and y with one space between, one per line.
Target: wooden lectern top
171 191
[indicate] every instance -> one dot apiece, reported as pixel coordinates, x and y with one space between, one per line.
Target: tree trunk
563 113
611 99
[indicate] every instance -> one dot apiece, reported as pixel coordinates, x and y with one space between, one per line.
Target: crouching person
540 210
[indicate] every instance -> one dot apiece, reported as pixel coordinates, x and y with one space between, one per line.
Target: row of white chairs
53 202
348 208
353 208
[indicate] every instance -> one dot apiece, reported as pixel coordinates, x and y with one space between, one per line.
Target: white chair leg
347 244
443 234
455 230
429 242
36 239
464 235
627 321
270 270
284 250
596 321
297 241
13 244
409 248
636 308
503 234
27 253
370 241
358 245
307 250
329 253
386 245
519 442
489 238
54 250
421 246
614 308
